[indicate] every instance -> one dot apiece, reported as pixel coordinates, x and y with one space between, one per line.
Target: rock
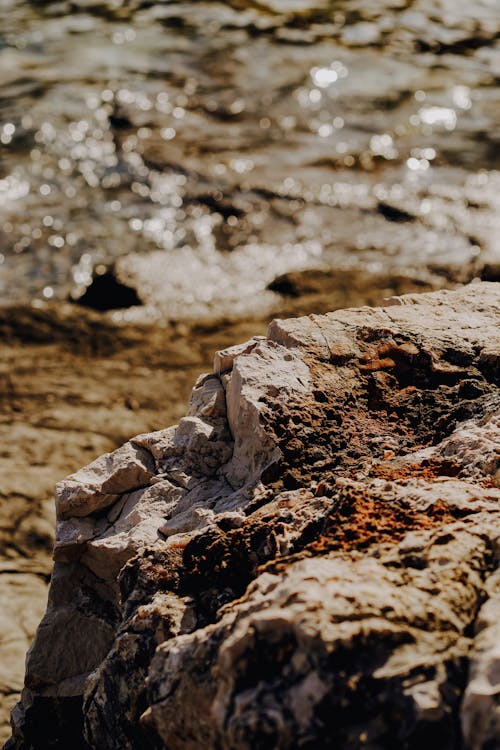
73 385
308 559
481 704
224 359
103 481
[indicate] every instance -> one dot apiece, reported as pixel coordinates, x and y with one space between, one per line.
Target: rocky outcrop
308 559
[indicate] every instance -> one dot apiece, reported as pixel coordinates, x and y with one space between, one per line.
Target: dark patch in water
106 292
285 285
391 213
491 272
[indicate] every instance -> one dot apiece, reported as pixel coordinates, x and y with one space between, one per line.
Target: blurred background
174 174
207 148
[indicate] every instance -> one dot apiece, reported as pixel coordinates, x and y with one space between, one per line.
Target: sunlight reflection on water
207 149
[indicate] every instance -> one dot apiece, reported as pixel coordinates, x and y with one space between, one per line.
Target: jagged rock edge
253 346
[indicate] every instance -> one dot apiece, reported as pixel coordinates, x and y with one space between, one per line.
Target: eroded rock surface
308 559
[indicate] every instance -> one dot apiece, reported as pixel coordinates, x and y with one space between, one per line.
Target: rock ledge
308 559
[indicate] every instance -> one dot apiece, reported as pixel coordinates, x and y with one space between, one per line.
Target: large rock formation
308 559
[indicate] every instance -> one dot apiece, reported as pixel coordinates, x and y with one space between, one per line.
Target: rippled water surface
207 147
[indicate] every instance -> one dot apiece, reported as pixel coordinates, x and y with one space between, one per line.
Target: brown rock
312 560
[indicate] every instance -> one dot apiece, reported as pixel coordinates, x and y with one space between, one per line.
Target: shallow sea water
206 148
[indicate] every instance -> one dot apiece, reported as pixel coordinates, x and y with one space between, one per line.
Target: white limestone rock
100 484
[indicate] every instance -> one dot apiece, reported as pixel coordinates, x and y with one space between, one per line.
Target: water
207 147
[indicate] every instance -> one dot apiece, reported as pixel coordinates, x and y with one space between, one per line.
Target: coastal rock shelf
308 559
